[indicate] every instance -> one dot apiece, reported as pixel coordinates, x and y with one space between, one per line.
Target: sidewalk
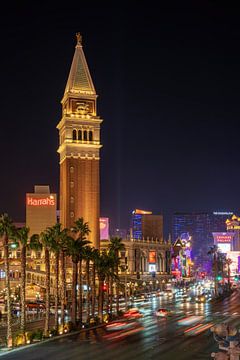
6 351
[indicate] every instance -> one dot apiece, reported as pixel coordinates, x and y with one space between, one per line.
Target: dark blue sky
168 84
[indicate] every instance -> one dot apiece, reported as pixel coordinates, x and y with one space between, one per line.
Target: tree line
67 247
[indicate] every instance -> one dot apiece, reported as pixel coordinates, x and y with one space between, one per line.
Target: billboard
235 265
152 257
223 240
104 228
223 237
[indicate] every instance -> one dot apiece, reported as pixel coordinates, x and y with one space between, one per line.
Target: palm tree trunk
56 290
80 304
7 282
74 292
108 295
100 297
88 291
93 289
117 291
63 285
47 316
23 291
111 294
229 276
215 275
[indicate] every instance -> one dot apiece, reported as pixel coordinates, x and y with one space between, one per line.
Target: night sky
168 81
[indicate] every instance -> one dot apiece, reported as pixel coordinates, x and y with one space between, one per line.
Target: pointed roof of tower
79 79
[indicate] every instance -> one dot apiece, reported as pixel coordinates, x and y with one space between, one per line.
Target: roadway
163 338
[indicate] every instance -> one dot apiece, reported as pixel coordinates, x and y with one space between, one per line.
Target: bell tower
79 147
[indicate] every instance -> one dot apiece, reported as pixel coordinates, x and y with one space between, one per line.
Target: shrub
38 335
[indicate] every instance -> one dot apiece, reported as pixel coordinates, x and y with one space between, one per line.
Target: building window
80 135
71 184
72 200
71 169
71 214
85 135
90 136
74 135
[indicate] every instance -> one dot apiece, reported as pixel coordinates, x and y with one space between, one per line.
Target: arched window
85 135
74 134
90 136
80 135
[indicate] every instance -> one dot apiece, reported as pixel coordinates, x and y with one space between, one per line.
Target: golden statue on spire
79 38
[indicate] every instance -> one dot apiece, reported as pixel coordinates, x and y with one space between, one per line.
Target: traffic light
236 277
104 287
219 277
203 274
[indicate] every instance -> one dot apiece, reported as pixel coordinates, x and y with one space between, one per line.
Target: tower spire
79 38
79 80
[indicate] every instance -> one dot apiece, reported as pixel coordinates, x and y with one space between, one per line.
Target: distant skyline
168 85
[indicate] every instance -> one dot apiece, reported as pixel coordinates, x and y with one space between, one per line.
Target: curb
24 347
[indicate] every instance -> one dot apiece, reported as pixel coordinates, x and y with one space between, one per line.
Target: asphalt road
159 338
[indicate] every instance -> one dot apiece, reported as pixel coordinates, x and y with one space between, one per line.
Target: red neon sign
48 201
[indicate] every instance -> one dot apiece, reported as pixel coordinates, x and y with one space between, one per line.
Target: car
133 313
163 312
200 298
121 325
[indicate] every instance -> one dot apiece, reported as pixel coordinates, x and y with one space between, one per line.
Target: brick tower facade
79 147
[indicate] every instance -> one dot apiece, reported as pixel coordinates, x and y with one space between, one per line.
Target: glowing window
85 135
90 136
74 134
79 134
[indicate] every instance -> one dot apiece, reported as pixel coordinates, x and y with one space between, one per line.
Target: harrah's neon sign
48 201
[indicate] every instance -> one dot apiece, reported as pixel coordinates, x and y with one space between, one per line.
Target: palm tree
7 230
56 236
228 263
75 251
95 255
63 240
47 242
213 252
87 255
104 266
80 232
115 246
22 236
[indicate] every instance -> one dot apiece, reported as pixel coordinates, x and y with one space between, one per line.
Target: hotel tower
79 147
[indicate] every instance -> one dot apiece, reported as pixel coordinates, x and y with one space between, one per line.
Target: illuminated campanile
79 137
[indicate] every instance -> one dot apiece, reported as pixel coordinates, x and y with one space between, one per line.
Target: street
165 338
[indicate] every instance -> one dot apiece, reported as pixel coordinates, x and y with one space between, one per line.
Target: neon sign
48 201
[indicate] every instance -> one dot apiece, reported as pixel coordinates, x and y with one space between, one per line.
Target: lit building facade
144 261
233 225
182 263
146 225
79 147
41 209
200 226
